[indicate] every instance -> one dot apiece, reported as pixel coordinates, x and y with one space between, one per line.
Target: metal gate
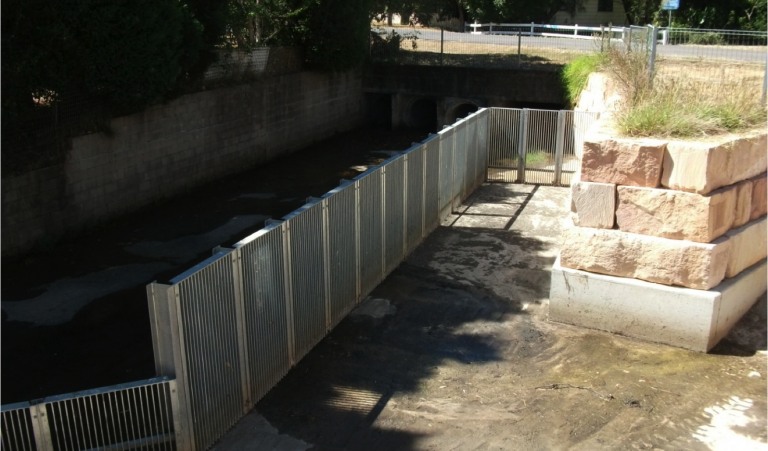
536 146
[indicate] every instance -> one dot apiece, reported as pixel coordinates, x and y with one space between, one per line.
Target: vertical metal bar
383 222
652 56
326 263
98 424
182 441
423 191
168 421
559 144
522 145
358 251
182 374
405 207
41 427
765 84
242 342
442 40
140 416
286 230
112 416
602 37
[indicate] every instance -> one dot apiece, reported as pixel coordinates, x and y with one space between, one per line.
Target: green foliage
575 74
337 33
535 158
708 38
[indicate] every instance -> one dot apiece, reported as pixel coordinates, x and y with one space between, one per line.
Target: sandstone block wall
170 148
686 214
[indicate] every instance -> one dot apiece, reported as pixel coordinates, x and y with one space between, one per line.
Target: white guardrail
564 31
534 29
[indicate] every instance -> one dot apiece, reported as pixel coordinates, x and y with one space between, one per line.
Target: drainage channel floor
453 351
74 314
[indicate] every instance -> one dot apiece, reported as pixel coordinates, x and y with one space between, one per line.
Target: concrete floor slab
469 361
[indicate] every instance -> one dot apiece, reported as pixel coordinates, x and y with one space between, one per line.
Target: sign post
669 5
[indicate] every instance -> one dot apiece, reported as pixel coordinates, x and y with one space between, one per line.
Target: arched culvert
380 112
459 112
422 115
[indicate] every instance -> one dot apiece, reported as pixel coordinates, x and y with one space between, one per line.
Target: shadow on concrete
448 311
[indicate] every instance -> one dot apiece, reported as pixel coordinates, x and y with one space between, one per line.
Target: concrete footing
683 317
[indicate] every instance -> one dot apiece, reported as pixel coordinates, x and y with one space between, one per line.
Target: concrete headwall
169 148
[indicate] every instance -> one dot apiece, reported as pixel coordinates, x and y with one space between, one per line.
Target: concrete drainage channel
412 190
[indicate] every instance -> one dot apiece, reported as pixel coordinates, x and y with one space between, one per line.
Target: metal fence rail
228 329
536 146
231 327
137 415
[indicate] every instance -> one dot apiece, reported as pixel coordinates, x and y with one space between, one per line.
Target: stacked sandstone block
673 213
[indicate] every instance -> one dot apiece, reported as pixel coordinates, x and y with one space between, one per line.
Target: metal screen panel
128 416
415 200
394 212
446 171
342 249
209 331
371 203
469 172
266 306
307 256
540 151
503 143
431 184
459 162
17 428
482 146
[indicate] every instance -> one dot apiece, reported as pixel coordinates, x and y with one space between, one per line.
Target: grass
576 73
466 54
681 106
533 158
683 109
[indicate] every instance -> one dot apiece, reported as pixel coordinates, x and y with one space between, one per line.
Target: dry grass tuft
679 107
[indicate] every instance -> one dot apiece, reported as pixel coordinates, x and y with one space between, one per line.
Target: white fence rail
534 29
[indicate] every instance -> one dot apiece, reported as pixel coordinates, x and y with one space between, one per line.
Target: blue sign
670 4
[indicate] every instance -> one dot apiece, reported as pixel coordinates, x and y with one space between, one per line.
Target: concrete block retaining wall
170 148
687 219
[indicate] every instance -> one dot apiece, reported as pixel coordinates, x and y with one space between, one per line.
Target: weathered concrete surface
468 360
749 244
593 204
659 260
701 167
632 162
691 319
676 214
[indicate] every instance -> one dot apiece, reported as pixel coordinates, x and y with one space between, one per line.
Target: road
734 53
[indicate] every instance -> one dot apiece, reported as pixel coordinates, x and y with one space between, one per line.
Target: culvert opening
459 112
380 112
423 115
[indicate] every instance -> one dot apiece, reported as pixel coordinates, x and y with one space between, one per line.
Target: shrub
707 38
576 73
